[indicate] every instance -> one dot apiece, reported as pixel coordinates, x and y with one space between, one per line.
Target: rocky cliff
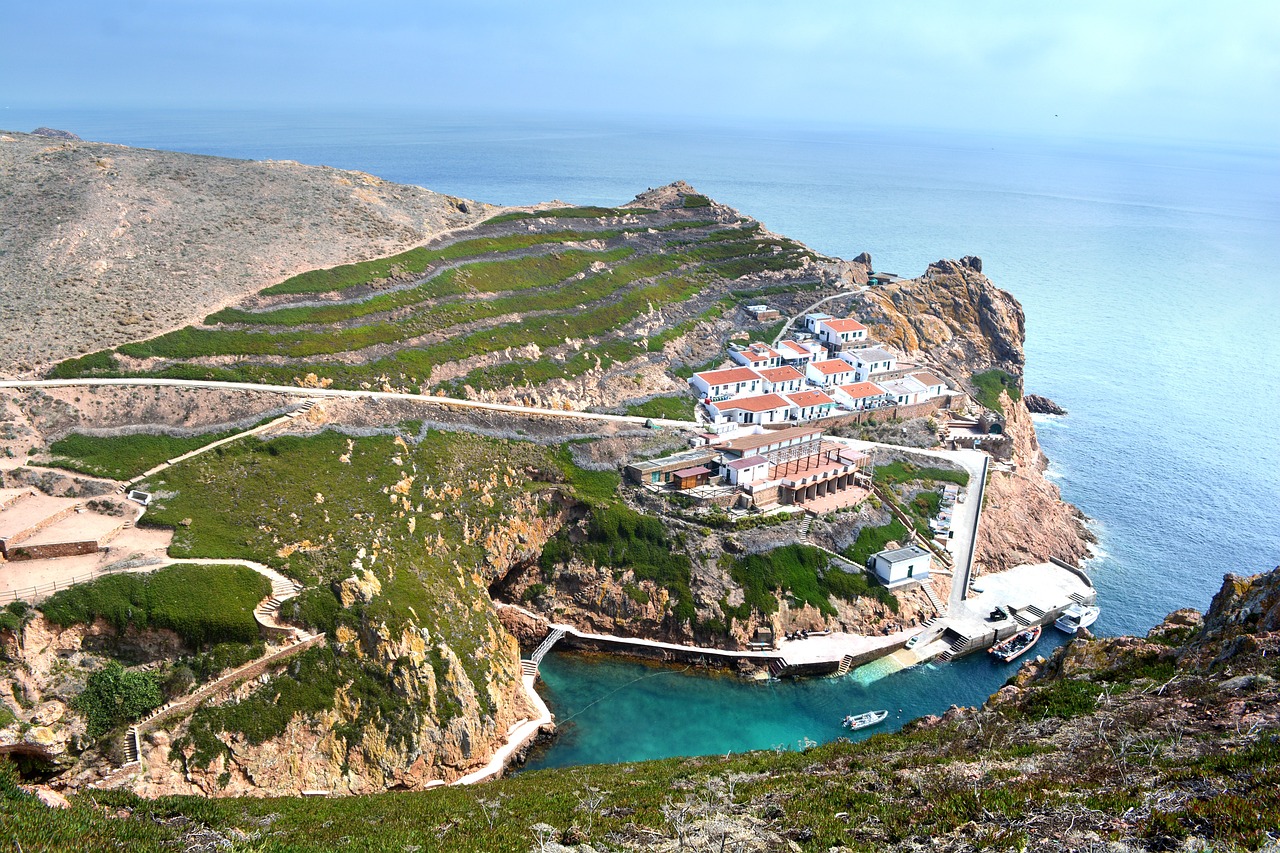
955 318
102 244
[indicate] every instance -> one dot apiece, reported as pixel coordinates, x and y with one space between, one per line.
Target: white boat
1017 645
1077 616
862 721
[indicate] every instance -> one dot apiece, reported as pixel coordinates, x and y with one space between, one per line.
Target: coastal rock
54 133
1039 405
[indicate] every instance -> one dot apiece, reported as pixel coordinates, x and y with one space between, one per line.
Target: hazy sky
1162 69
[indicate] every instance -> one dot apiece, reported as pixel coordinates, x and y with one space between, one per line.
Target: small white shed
902 564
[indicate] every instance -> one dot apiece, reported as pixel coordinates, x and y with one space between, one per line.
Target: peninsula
284 527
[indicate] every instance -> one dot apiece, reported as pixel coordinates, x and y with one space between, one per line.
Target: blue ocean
1147 269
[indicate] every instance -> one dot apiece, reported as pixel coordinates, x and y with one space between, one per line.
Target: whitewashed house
807 405
797 354
935 386
902 565
868 362
757 356
729 382
833 371
861 395
905 391
838 334
747 471
781 380
811 321
761 409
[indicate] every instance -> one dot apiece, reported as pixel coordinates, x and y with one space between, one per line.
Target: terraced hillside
523 300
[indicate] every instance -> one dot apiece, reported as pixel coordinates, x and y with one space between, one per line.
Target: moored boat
1017 645
1077 616
862 721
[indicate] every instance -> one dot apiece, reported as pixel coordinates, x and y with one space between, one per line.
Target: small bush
990 383
114 696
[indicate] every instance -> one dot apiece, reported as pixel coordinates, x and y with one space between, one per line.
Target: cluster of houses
763 469
829 368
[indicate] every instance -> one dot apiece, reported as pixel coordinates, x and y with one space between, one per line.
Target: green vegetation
873 539
677 408
990 383
619 537
122 457
114 696
803 572
696 201
13 615
568 213
202 604
899 472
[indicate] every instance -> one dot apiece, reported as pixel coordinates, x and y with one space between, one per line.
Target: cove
611 709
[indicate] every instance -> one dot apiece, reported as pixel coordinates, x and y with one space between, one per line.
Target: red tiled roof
747 462
795 347
781 374
849 325
832 366
729 374
761 403
858 390
810 398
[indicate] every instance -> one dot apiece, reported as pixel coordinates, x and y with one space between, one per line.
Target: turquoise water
1147 272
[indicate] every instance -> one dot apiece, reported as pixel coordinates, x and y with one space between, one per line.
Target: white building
831 372
761 409
906 391
722 384
837 334
811 321
781 380
861 395
748 471
934 386
757 356
869 361
902 565
796 354
807 405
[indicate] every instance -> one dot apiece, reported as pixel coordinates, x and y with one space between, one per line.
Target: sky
1179 70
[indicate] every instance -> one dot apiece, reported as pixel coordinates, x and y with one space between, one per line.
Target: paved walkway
332 392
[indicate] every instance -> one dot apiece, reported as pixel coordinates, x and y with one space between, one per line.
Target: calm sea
1148 275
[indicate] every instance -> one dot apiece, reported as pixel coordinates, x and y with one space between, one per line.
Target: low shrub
114 696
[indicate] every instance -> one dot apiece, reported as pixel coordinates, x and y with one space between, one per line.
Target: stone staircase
778 667
958 647
1079 599
132 746
1035 617
846 664
930 593
805 524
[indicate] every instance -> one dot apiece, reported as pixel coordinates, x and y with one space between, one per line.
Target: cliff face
97 240
955 318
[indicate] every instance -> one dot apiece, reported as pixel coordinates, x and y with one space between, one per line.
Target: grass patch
990 383
202 604
122 457
678 408
873 539
806 574
588 212
696 201
896 473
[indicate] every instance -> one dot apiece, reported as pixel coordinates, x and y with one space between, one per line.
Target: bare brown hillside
103 244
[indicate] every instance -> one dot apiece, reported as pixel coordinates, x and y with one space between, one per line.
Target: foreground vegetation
1137 748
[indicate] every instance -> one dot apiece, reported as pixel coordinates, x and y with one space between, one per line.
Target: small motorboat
862 721
1077 616
1017 645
